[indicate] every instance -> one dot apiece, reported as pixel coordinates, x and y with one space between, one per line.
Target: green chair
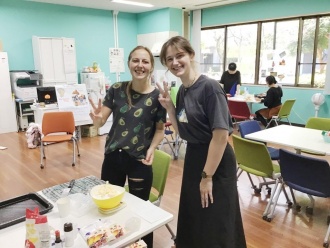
253 157
173 92
319 124
160 166
283 113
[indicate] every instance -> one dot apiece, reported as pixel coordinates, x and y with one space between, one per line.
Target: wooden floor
21 173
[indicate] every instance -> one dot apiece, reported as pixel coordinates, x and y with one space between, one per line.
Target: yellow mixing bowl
107 196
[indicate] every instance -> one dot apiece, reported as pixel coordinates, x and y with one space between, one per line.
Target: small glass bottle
68 235
58 241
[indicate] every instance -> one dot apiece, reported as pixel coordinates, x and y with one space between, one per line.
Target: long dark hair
129 85
271 80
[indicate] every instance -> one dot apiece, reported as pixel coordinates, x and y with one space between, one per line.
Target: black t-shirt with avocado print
133 127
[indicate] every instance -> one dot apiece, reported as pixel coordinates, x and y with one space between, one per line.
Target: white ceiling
158 4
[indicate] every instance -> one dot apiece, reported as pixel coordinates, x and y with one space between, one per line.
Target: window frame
258 46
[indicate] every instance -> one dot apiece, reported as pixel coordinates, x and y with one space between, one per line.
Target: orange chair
58 127
239 110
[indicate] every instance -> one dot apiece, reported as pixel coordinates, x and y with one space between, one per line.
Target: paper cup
63 205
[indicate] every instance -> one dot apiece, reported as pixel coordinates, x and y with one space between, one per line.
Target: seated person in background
272 101
231 80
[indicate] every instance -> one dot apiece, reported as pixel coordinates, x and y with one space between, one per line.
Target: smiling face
178 61
140 64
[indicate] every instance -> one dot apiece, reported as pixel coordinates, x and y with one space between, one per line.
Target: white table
299 138
40 111
152 217
249 100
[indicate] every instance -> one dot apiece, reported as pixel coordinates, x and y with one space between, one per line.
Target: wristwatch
204 175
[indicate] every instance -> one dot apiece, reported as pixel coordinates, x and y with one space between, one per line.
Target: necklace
191 83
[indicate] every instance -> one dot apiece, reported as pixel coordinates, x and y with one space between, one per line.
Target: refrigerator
8 121
95 85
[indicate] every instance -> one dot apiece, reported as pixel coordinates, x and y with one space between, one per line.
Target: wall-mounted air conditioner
155 41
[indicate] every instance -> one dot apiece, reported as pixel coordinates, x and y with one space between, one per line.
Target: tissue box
88 131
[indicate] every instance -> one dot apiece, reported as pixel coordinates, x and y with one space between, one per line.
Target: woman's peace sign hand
164 96
95 113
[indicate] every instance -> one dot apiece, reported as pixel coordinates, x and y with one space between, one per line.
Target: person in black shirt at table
231 80
272 101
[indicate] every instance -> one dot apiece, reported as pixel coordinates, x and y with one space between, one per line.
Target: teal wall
153 21
167 19
176 21
257 10
92 30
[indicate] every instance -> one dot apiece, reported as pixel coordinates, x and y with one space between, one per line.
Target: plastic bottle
58 241
68 235
246 91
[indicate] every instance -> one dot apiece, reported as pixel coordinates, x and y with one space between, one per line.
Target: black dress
200 109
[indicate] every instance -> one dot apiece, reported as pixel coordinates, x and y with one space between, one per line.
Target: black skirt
220 224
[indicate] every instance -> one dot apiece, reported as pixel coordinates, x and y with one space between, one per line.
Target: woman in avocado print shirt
138 127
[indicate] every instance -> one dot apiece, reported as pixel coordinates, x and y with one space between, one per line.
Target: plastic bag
101 232
33 135
37 230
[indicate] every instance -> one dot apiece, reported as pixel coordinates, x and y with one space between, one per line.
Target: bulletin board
74 98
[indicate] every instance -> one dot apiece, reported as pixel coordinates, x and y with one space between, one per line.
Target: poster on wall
74 98
116 60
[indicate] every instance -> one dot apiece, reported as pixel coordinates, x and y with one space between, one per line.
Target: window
212 52
241 49
294 51
278 51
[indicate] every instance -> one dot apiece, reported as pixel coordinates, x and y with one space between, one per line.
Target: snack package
101 232
138 244
37 230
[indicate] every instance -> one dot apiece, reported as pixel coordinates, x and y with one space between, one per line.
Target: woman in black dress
209 213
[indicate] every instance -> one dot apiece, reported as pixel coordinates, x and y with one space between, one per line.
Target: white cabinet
55 59
8 121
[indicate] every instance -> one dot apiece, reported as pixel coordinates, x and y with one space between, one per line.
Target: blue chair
253 126
308 175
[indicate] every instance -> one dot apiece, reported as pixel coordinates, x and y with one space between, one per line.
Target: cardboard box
89 131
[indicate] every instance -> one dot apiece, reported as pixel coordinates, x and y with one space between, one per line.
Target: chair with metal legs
251 126
284 112
58 127
253 157
308 175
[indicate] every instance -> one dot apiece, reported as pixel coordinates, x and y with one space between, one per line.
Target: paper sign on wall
116 60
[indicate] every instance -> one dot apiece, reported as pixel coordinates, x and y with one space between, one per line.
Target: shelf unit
25 114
